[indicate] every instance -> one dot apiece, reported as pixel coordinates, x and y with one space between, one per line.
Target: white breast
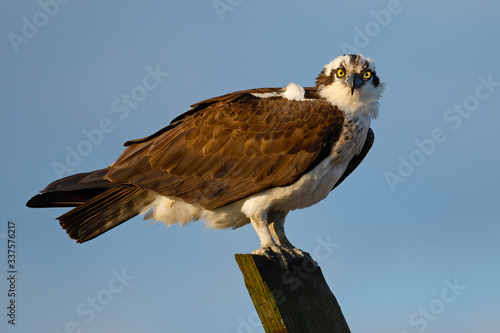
316 184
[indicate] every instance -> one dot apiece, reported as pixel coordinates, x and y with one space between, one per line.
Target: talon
267 251
299 253
305 256
294 252
273 253
290 252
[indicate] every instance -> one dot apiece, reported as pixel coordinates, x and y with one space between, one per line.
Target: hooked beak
354 81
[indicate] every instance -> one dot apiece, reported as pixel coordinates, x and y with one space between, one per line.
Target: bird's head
350 81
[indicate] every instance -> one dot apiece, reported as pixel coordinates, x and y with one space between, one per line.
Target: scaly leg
277 228
268 247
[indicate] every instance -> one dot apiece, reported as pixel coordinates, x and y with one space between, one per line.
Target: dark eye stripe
375 79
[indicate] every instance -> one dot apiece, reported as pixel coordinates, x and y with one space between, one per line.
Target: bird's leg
267 244
277 228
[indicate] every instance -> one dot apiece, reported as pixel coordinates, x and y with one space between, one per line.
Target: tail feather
104 212
100 204
63 198
94 179
71 191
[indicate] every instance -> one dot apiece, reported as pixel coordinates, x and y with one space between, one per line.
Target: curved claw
274 253
295 255
268 251
294 252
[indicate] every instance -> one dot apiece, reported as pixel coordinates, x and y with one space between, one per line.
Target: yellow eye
340 72
367 75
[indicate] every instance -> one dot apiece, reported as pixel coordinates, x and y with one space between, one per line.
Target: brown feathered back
230 147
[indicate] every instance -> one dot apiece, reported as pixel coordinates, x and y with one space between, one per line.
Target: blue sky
408 243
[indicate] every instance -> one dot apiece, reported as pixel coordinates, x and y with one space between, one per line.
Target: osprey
250 156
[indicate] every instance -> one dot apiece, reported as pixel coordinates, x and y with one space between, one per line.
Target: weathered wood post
295 299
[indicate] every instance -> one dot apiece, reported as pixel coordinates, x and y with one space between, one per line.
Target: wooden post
292 300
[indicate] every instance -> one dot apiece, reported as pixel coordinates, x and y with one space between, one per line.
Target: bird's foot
268 251
286 257
297 256
295 253
273 253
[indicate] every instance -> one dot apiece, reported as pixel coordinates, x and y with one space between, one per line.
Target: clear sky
408 243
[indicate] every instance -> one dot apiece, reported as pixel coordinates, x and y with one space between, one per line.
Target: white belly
310 189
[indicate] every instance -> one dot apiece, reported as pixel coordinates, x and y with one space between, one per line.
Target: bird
247 157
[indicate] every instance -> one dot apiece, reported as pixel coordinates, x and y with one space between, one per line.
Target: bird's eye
367 75
340 72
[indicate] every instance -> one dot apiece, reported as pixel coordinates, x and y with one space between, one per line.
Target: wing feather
230 147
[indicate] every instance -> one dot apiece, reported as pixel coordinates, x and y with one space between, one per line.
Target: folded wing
230 147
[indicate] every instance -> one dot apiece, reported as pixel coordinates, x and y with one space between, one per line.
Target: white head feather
334 89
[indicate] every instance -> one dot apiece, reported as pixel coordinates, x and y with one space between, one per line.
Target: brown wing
203 104
230 147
